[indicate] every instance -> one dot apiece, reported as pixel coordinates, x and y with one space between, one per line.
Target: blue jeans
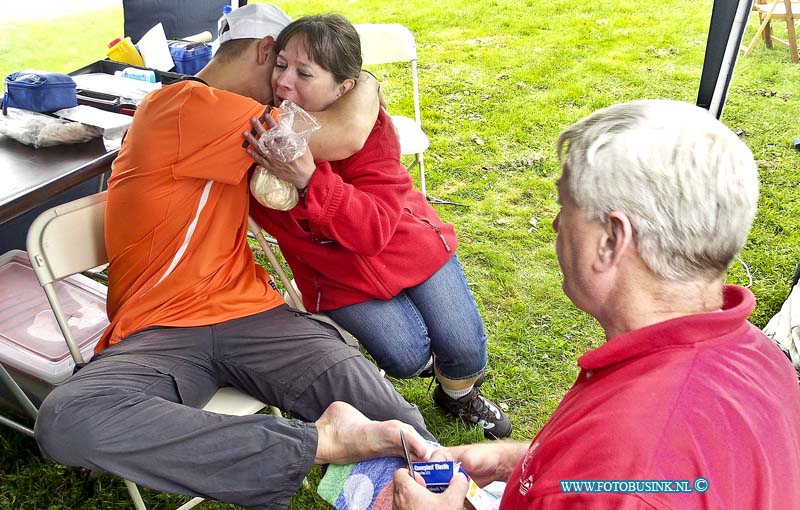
438 316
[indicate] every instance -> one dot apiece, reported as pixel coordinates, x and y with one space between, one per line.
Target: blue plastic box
189 57
437 475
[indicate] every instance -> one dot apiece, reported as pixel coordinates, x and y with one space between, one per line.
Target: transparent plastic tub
31 345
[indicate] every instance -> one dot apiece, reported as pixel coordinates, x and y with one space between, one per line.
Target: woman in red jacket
364 246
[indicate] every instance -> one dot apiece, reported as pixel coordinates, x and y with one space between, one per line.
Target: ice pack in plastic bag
284 142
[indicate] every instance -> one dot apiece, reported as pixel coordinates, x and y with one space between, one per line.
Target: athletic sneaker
475 409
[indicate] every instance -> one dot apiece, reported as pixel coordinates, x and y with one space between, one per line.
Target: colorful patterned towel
365 485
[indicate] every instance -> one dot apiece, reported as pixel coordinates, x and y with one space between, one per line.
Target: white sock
428 365
456 394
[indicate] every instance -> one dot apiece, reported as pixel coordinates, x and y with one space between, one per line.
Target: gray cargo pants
133 410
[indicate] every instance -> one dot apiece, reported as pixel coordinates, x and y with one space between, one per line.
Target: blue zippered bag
39 91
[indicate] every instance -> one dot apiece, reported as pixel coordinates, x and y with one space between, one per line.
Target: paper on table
94 117
126 88
114 124
154 49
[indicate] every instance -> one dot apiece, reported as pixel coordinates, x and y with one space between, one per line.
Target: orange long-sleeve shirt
176 218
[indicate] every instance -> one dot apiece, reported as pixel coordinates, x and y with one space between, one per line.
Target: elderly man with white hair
686 405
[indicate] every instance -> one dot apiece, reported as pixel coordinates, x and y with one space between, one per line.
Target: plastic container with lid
123 50
31 345
189 57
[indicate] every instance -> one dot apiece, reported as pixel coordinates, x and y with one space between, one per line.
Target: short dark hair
232 49
332 41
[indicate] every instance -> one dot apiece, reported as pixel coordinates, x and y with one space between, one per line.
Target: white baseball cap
252 21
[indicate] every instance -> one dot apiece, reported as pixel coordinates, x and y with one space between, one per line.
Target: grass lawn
499 79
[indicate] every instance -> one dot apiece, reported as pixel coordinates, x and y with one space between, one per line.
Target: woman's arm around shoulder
347 123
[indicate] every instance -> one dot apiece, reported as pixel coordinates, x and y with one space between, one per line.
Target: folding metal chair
388 43
69 239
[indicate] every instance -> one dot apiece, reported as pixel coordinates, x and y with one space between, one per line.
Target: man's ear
265 46
345 87
615 240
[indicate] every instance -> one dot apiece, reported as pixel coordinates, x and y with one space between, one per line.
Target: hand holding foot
346 435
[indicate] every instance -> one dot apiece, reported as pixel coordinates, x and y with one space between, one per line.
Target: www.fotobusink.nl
633 486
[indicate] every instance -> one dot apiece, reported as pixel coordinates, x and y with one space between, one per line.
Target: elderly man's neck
646 299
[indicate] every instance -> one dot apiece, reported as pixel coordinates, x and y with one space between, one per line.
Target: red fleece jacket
361 232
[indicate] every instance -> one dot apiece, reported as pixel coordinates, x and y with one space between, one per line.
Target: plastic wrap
285 142
41 130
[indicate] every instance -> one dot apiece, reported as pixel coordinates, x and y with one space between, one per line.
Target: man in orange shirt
190 310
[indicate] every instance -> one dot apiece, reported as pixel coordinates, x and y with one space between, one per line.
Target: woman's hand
297 172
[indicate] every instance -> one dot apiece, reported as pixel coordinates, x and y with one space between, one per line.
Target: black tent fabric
728 23
180 18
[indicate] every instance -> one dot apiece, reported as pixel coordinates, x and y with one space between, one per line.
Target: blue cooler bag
189 57
39 91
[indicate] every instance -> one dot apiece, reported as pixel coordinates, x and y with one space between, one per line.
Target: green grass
499 79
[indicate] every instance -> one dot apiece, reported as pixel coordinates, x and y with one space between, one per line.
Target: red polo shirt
706 395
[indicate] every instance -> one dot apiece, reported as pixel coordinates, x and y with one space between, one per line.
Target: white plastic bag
285 142
40 130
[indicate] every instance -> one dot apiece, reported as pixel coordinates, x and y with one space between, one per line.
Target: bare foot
346 435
